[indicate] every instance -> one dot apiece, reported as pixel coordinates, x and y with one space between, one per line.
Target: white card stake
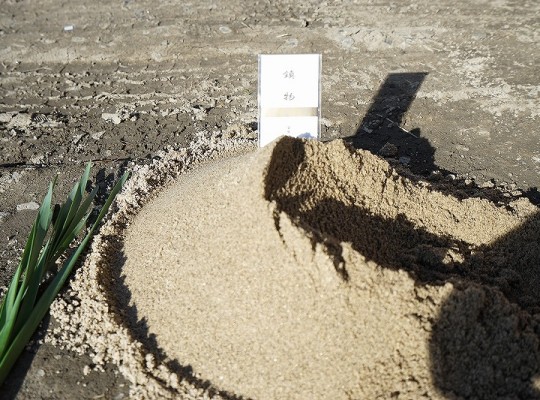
289 96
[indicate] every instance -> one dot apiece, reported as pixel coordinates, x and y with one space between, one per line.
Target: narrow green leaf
64 210
15 293
76 196
77 229
31 293
29 325
41 308
84 207
71 212
14 297
74 206
27 295
9 297
42 225
66 236
7 310
110 199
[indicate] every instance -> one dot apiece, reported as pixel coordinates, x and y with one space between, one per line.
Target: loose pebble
32 205
114 118
389 150
405 160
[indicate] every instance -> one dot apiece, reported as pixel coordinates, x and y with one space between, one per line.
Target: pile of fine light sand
308 270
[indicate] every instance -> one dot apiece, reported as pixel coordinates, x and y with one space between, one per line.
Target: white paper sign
289 96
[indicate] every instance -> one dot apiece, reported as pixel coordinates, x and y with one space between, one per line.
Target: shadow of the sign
383 122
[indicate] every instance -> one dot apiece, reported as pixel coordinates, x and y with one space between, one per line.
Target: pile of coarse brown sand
306 270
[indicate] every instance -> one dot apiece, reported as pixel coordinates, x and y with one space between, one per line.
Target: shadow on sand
485 341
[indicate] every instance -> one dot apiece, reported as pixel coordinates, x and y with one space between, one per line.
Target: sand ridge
314 270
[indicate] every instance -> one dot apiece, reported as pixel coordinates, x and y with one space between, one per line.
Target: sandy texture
453 85
310 270
90 321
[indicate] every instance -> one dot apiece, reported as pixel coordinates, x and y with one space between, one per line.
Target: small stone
109 117
40 373
487 185
291 42
3 215
347 42
326 122
77 138
450 177
479 35
21 120
5 117
97 135
435 176
388 150
38 159
16 177
225 29
405 160
32 205
86 370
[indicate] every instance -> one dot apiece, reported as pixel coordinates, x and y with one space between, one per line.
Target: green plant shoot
29 296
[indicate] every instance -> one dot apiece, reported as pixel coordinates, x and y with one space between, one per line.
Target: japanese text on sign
289 96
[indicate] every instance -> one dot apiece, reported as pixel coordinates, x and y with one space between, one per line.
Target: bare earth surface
453 85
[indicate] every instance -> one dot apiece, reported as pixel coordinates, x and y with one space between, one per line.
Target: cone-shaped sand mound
306 270
314 271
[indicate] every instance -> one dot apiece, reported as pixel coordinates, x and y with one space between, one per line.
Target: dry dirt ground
454 85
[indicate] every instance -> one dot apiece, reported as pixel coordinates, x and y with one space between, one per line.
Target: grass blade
64 237
33 269
17 326
78 210
18 305
68 213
